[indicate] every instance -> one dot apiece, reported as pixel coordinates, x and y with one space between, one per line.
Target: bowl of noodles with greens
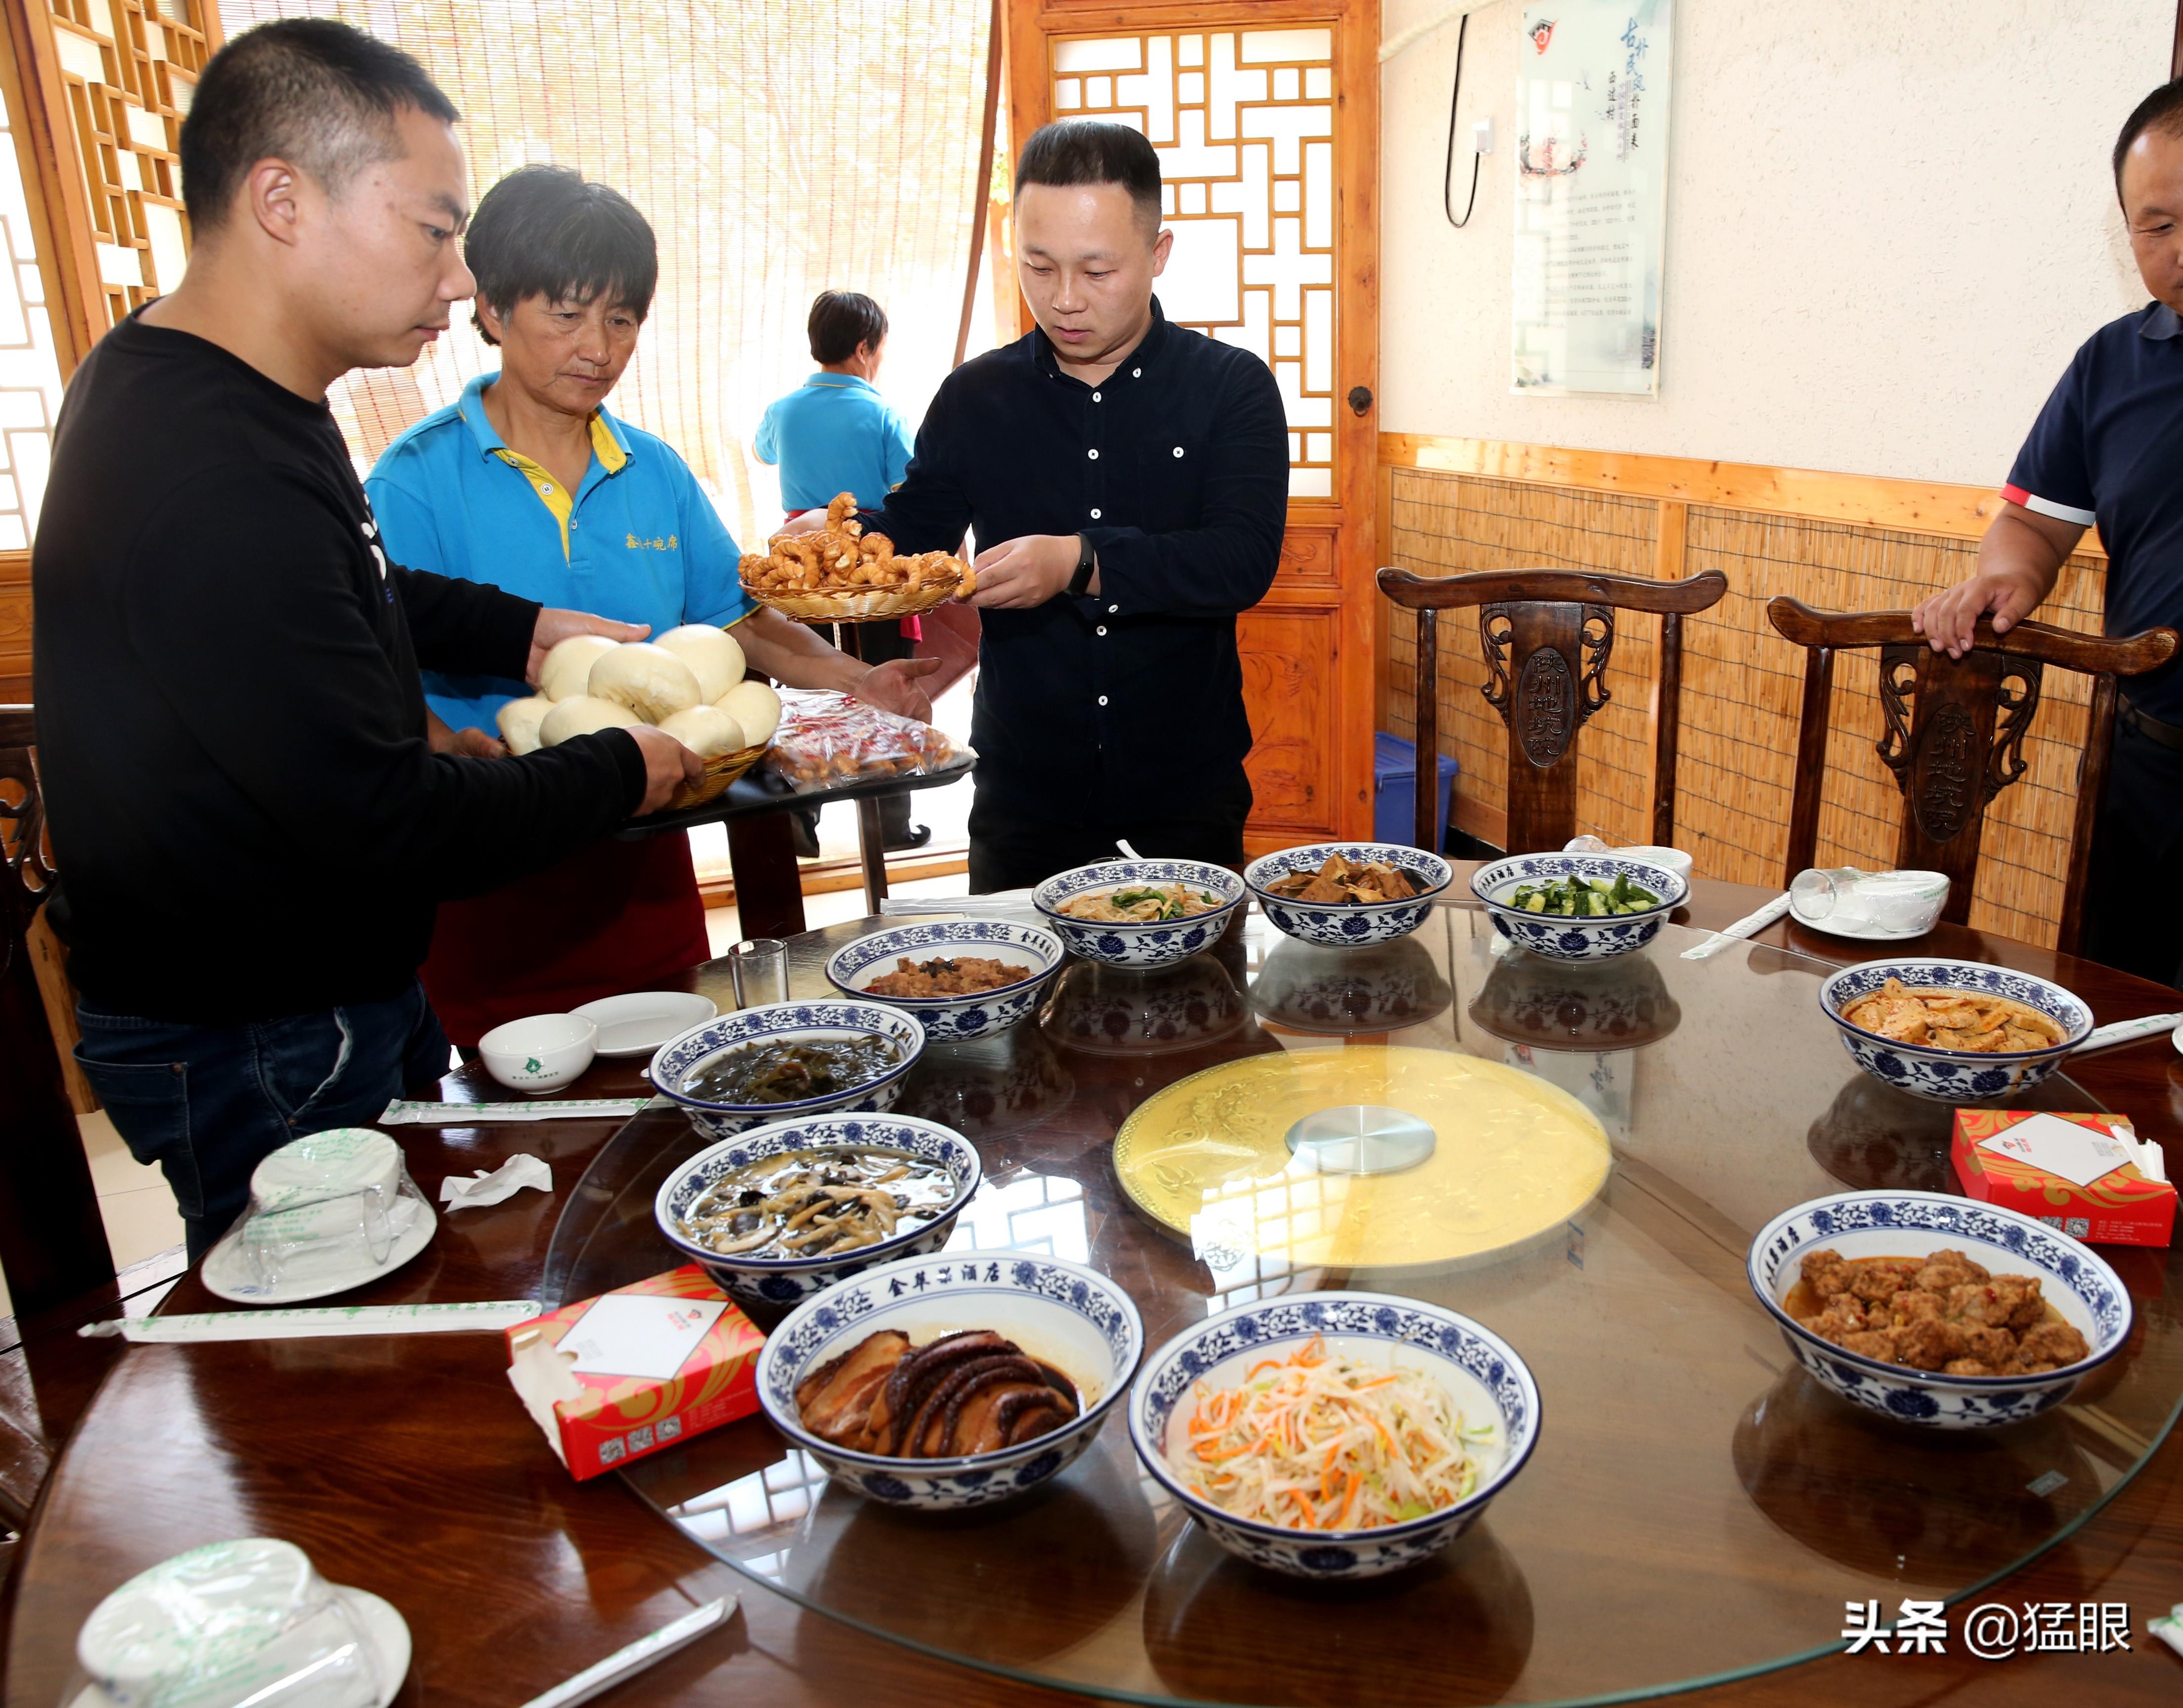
1139 912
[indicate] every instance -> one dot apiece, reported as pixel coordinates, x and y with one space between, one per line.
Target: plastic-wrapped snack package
826 740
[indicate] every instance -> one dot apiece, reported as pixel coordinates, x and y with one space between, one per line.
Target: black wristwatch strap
1087 561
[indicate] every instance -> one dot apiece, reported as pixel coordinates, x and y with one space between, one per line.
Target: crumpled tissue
473 1191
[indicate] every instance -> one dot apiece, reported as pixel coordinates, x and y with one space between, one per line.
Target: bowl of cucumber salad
1578 907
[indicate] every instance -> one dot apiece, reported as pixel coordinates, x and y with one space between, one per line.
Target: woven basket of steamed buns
841 574
690 684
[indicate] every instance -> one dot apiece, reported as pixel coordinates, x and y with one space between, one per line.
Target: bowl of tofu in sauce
1953 1031
1348 895
783 1212
1936 1309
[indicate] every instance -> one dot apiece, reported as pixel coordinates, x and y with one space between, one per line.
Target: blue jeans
207 1103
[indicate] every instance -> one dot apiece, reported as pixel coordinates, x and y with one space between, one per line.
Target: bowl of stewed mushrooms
782 1211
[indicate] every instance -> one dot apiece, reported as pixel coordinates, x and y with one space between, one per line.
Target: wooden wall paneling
1293 716
15 628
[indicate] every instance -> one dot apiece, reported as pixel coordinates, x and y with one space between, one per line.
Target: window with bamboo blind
779 148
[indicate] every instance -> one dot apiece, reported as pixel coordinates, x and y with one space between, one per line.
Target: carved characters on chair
27 870
1932 741
1552 696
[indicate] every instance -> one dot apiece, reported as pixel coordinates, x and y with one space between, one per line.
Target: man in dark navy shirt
1127 481
2109 448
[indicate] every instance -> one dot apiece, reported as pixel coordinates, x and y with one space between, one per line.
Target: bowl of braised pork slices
952 1380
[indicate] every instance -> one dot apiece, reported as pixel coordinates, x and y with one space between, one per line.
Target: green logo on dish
532 1066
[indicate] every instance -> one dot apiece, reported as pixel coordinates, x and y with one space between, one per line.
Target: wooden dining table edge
2130 1550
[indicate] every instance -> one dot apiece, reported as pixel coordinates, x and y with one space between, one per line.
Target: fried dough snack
842 559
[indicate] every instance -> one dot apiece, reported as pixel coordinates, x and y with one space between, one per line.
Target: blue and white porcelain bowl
1153 942
1073 1318
1348 926
2089 1295
786 1023
1480 1371
1576 940
950 1019
784 1280
1954 1076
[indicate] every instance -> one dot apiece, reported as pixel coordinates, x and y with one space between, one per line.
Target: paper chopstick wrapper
401 1112
2128 1031
2089 1175
635 1657
310 1323
1747 926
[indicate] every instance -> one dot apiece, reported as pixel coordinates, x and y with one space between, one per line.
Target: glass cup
235 1623
1830 894
326 1205
759 966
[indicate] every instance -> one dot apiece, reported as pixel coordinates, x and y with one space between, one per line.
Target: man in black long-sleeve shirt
251 821
1127 480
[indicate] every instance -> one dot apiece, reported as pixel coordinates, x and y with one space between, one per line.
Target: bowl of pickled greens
783 1059
1578 907
787 1210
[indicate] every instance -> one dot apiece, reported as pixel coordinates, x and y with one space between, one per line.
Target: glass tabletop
1698 1509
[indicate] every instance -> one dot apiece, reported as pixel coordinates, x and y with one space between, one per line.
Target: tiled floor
139 1210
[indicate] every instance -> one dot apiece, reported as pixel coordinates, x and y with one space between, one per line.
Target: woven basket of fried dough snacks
841 574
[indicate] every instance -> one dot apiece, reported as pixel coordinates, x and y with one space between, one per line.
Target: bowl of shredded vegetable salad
1335 1435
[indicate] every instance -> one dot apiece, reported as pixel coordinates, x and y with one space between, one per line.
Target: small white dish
638 1023
1653 854
541 1052
228 1272
1862 934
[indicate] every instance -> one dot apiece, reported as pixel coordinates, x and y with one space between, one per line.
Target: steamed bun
583 716
756 707
706 731
713 653
567 667
649 680
519 721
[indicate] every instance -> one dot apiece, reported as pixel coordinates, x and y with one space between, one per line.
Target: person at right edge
1127 482
2105 449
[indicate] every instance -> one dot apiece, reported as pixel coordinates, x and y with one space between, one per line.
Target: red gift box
2059 1178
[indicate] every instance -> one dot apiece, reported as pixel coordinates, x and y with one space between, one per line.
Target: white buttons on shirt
1178 450
1095 515
1094 455
1136 372
545 489
1103 628
1095 396
1103 699
1112 609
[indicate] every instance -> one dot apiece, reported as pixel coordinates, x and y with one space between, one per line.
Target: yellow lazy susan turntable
1365 1158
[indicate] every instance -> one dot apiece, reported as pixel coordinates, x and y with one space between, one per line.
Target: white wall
1890 222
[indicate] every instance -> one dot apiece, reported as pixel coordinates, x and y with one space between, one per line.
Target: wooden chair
52 1242
1547 635
1955 730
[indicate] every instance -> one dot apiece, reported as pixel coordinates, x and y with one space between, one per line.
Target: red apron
612 918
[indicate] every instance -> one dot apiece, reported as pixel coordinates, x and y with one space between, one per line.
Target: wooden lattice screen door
1265 114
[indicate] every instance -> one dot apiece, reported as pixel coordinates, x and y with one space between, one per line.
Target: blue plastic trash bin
1394 790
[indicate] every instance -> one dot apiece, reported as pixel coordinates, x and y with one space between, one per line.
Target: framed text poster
1591 195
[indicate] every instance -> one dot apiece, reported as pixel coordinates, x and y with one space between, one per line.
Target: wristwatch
1087 560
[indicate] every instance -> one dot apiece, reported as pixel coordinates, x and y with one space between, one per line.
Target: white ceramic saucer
226 1271
1863 933
386 1628
638 1023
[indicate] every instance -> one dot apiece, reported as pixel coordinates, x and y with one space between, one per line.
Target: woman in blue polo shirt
527 482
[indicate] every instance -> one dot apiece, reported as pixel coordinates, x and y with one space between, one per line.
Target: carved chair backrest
1954 734
52 1240
1547 635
